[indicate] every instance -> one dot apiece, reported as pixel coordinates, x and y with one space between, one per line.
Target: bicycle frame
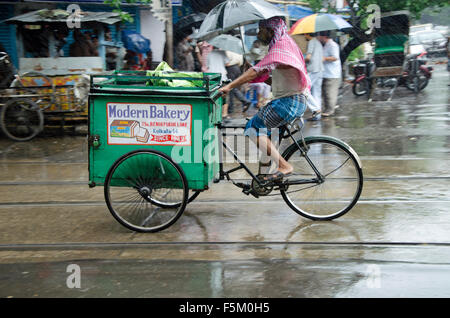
242 165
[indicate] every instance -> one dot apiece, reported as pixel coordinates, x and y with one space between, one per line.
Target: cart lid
168 84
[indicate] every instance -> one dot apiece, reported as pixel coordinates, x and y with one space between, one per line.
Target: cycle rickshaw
154 148
392 64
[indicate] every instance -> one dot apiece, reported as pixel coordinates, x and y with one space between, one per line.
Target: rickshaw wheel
420 79
21 119
146 191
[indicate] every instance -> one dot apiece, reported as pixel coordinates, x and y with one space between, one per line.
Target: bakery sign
149 124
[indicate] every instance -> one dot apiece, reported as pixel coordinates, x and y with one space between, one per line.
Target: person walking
332 73
217 59
290 82
314 66
202 51
185 59
233 68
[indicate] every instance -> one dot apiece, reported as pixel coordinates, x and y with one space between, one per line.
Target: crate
125 114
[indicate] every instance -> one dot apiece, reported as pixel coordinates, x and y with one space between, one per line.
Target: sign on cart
149 124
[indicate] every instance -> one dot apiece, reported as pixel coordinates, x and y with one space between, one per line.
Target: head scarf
282 51
277 25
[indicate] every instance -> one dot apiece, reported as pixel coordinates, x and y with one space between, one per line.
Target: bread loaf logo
129 129
151 124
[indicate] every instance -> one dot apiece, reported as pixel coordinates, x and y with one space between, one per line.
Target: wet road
394 243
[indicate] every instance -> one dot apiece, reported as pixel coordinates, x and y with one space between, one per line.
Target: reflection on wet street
394 243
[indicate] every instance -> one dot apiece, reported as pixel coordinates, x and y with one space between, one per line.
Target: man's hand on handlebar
225 89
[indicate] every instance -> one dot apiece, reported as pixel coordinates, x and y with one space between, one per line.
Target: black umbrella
185 24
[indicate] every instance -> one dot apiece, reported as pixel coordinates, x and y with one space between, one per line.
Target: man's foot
277 176
315 116
327 114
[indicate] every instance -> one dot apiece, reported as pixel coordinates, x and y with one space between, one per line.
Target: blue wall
8 32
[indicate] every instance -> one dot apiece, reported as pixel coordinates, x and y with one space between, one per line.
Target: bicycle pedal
250 191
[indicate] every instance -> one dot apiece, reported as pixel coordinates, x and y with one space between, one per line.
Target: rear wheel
21 119
146 191
341 183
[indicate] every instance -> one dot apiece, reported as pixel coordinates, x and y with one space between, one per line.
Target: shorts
278 112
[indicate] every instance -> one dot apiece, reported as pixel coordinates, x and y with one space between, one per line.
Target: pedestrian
332 73
262 90
262 93
202 51
257 51
111 52
217 60
233 68
148 62
184 55
289 81
314 66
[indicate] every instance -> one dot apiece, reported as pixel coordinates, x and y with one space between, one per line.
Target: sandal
277 176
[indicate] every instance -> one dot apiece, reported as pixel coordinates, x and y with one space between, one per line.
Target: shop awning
61 16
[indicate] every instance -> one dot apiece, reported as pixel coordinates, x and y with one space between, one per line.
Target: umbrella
319 22
235 13
227 42
185 24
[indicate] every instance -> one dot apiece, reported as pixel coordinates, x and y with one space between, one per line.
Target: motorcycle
416 74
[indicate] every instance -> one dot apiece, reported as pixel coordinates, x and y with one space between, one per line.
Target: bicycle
147 191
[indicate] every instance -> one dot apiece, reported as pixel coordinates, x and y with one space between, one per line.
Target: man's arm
248 76
334 54
308 58
329 59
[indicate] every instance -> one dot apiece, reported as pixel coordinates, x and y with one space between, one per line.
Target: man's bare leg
266 146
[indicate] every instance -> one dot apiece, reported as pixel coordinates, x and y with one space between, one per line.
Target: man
332 73
185 59
314 60
217 59
289 81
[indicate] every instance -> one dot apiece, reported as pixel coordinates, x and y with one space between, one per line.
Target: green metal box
125 114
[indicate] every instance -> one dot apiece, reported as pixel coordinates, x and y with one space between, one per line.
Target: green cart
153 146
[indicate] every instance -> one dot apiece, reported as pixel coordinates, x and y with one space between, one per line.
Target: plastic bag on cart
164 70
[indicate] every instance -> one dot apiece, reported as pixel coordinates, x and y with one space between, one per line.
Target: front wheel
146 191
417 83
361 88
339 187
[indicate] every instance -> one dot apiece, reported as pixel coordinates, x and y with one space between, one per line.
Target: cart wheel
21 119
146 191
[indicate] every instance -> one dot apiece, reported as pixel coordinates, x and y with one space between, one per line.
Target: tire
146 191
21 119
342 184
410 84
360 88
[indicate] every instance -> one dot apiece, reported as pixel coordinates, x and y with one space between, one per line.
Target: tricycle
155 148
